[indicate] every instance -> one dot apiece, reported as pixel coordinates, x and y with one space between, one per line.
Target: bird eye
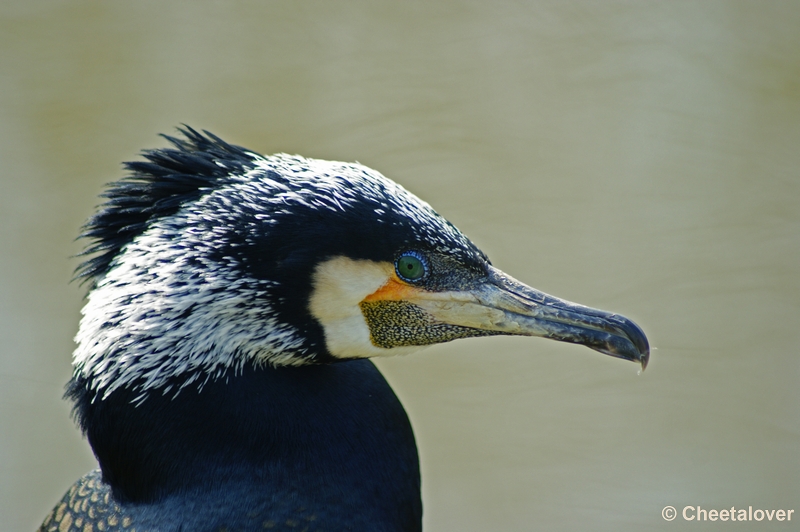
411 266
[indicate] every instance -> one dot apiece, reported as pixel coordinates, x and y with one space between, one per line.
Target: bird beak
503 305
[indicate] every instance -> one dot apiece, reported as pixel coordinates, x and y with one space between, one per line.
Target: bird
222 371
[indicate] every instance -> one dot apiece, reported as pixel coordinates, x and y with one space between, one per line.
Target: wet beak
503 305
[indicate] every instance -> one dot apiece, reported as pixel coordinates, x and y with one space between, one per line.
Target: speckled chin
400 323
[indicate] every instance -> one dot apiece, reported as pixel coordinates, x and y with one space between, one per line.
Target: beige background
641 157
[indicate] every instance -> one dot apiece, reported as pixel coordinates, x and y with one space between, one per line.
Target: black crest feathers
156 188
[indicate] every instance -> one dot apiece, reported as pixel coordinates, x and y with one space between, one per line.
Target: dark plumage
220 374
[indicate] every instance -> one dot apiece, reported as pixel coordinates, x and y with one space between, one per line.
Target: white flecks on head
157 315
165 308
339 285
282 181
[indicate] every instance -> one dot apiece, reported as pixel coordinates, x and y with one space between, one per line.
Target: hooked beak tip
627 340
545 315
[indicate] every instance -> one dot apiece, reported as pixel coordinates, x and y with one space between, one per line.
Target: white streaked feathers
165 309
149 320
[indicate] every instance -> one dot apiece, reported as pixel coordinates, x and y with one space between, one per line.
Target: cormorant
221 373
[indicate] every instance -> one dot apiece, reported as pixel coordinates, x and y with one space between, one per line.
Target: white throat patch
339 285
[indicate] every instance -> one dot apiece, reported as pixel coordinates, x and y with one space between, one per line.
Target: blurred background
635 156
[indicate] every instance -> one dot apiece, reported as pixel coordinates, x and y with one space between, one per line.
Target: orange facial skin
393 290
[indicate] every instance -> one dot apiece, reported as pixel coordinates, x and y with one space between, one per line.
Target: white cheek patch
340 284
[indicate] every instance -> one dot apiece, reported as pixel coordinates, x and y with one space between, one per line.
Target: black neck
333 435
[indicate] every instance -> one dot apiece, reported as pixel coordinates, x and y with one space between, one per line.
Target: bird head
209 257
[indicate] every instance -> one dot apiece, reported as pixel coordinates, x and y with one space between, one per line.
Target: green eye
411 267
